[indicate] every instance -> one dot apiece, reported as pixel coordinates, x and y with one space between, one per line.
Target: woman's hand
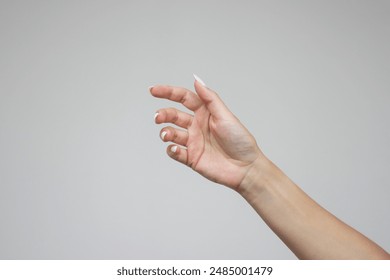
214 142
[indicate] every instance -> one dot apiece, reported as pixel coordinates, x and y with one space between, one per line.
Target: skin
214 143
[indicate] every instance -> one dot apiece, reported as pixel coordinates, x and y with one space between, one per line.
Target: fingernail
173 149
155 116
199 80
163 135
150 88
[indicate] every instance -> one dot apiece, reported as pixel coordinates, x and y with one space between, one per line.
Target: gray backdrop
83 173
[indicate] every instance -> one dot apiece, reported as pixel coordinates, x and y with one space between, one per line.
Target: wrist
262 175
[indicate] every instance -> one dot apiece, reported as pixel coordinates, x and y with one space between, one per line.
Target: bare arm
310 231
215 144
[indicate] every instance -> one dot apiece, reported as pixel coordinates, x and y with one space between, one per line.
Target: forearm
305 227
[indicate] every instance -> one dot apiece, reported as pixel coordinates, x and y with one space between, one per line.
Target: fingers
189 99
174 135
175 116
179 137
212 101
192 101
177 153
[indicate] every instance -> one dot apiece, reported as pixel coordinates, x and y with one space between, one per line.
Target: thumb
211 99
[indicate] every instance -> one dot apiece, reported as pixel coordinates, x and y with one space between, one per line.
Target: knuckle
184 98
191 164
174 135
175 117
189 122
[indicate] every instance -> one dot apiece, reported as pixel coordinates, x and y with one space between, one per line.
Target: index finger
182 95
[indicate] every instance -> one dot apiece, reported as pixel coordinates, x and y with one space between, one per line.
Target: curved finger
174 135
177 153
182 95
175 116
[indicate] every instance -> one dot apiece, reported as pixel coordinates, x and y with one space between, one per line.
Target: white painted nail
199 80
155 116
173 149
163 135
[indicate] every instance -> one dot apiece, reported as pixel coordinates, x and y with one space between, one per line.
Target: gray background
83 173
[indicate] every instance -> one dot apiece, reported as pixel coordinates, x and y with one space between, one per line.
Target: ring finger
177 136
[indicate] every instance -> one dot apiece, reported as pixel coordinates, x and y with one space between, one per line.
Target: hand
214 142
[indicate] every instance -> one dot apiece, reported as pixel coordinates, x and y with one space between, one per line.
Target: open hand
213 143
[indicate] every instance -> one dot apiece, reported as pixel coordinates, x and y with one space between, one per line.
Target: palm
219 149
